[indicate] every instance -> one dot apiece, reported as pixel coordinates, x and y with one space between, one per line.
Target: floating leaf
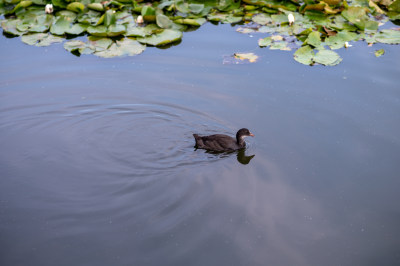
388 36
96 6
191 21
304 55
379 52
10 27
125 47
262 19
60 26
76 7
74 45
77 29
314 39
251 57
116 30
165 37
97 30
41 39
265 42
163 21
327 58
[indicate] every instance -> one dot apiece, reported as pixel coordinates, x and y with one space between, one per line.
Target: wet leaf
41 39
76 7
163 21
97 30
125 47
165 37
265 42
10 27
338 41
60 26
116 30
314 39
379 52
327 58
77 29
251 57
388 36
190 21
96 6
262 19
304 55
74 45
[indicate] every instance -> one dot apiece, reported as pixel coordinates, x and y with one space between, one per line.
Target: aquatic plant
313 29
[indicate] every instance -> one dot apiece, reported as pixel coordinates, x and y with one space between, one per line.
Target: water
98 165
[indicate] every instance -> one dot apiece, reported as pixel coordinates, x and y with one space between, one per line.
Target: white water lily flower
290 19
48 9
139 20
347 45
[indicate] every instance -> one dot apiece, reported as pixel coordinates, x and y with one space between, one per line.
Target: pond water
98 167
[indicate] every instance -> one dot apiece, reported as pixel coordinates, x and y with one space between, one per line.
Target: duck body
222 143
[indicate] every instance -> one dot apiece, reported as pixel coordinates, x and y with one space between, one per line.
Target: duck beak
251 134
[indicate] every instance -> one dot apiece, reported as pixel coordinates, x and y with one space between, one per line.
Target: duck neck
240 141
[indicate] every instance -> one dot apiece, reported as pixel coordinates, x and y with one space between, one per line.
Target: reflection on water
98 167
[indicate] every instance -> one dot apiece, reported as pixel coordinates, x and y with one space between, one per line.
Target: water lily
347 45
139 20
290 19
48 9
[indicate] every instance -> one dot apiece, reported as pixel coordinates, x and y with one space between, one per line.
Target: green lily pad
388 36
304 55
163 21
77 29
265 42
96 6
116 30
74 45
97 30
327 58
338 41
133 31
165 37
60 26
314 39
125 47
76 7
191 21
10 26
379 52
41 39
262 19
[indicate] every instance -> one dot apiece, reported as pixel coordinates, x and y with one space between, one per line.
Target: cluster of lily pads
125 27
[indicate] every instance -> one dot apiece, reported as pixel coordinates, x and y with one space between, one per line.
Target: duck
223 143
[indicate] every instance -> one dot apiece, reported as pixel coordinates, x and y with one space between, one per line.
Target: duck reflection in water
219 143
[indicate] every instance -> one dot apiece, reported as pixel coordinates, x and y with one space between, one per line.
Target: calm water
97 165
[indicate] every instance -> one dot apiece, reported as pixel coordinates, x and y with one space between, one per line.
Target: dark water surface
97 165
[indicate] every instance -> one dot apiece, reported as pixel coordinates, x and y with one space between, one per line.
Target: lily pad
76 7
125 47
251 57
41 39
60 26
165 37
304 55
314 39
163 21
327 58
265 42
379 52
388 36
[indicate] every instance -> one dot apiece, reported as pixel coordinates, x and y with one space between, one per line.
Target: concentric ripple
122 139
